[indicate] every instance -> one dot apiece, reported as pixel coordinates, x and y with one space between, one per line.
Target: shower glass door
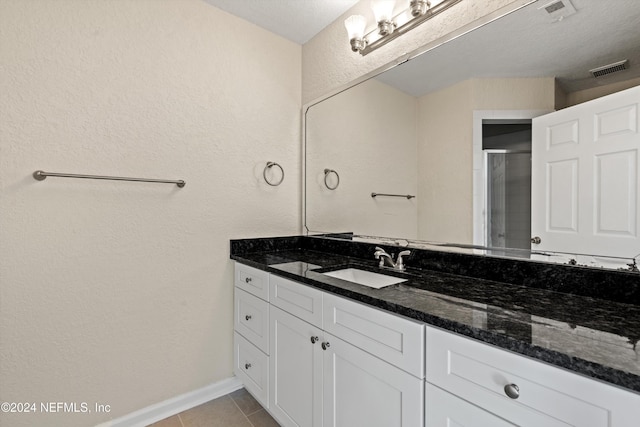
508 198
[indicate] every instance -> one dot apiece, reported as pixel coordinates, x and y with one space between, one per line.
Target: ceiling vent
554 7
605 70
557 10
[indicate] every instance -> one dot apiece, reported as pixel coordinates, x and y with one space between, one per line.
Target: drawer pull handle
247 280
314 340
512 390
325 345
247 365
247 317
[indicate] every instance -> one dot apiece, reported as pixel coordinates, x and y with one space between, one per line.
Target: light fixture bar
413 22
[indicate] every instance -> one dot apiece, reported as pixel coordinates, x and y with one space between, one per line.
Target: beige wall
581 96
445 148
444 153
376 132
328 62
368 135
121 293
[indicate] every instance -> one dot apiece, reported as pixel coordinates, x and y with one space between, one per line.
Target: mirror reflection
455 127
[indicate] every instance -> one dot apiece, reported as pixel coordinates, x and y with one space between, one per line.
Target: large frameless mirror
445 139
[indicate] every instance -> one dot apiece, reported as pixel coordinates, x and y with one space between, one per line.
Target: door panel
616 210
562 196
618 121
561 134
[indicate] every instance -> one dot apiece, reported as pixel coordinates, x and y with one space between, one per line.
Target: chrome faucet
386 260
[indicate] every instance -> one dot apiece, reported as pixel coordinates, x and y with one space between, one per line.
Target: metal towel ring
326 174
264 174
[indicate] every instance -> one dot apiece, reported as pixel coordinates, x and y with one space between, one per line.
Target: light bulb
383 9
355 26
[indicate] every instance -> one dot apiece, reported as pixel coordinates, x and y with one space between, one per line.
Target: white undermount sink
365 278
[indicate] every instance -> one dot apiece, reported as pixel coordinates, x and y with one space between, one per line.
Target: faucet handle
400 261
381 254
379 251
376 255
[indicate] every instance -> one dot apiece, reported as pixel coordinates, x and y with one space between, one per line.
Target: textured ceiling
296 20
527 43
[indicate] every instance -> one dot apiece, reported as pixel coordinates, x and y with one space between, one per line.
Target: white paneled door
585 182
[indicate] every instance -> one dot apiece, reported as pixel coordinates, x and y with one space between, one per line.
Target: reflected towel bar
407 196
41 175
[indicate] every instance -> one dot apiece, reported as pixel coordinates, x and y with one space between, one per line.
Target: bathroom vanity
437 348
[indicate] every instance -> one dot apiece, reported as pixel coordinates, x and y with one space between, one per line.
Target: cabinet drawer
395 339
548 395
444 409
252 280
251 319
300 300
252 367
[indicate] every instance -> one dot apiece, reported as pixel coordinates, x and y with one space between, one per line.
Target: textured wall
445 148
581 96
372 144
444 153
121 293
328 62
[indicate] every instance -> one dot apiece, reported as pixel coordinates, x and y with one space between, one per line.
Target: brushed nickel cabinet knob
512 390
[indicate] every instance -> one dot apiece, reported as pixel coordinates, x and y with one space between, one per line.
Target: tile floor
237 409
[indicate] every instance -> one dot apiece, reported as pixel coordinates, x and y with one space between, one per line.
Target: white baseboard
175 405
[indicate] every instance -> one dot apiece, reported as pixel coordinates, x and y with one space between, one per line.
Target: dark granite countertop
591 336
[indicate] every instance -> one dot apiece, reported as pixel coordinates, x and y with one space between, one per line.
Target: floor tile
221 412
262 419
245 401
168 422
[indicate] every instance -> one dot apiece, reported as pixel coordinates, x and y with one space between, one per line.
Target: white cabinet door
585 194
362 390
295 396
445 409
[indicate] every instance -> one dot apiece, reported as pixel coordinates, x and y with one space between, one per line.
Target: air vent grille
554 6
605 70
557 10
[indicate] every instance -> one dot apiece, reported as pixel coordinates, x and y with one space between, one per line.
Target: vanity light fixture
389 26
